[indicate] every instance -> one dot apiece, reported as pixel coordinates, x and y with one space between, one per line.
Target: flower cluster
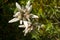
24 16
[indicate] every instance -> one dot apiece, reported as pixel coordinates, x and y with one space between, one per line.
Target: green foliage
47 10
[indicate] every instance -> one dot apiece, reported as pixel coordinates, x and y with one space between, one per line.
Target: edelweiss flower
21 11
28 27
23 15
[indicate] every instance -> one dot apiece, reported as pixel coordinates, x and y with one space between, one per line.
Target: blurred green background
47 10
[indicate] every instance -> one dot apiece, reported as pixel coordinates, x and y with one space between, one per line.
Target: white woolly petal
22 26
34 16
26 31
13 20
28 4
28 19
15 15
21 21
18 6
26 24
29 8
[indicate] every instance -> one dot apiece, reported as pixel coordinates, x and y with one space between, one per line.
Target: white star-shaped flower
23 15
27 26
